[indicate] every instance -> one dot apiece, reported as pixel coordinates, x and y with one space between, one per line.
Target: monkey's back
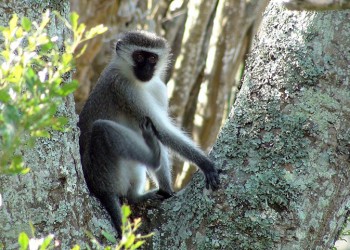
95 108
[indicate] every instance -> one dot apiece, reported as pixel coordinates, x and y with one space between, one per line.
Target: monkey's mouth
143 76
145 79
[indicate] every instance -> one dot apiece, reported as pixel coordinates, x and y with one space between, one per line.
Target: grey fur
125 128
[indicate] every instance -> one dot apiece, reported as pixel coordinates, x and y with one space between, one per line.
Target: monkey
126 130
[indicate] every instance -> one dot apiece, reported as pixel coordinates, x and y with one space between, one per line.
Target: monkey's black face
144 64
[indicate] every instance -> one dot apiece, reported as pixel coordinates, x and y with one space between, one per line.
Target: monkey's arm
174 138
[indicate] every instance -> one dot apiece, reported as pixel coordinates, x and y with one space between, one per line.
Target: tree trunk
284 148
234 27
53 195
316 5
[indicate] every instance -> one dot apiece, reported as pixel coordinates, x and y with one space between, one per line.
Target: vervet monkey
126 130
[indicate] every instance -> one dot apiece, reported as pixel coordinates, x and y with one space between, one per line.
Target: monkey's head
141 55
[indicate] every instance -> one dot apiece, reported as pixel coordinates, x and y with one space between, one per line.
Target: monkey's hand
165 194
148 133
211 175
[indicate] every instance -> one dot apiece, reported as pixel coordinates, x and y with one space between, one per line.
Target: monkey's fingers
212 180
147 125
151 125
141 124
165 194
144 123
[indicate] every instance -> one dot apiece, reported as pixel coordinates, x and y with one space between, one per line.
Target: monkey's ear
118 45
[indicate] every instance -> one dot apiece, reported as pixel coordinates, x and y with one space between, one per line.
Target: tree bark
92 13
284 148
191 63
317 4
234 27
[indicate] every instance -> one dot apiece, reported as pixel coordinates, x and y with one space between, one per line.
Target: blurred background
209 41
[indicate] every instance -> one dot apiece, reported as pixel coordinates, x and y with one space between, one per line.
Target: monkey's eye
138 57
152 59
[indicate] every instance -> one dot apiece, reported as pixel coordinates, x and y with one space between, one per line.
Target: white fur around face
123 60
158 90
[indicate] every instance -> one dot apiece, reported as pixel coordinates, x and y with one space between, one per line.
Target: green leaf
16 166
59 123
6 54
19 33
4 96
24 171
42 39
74 20
81 51
126 211
46 47
137 244
130 241
95 31
23 241
32 87
26 24
32 228
109 237
41 133
69 88
31 79
11 113
45 19
81 29
67 58
13 22
47 242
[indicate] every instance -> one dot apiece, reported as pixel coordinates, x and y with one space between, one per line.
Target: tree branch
316 4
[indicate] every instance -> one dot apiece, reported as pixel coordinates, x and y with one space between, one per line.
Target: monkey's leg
162 175
110 144
116 142
112 205
150 195
137 192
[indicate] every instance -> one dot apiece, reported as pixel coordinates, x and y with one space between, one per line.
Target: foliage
34 80
33 243
129 240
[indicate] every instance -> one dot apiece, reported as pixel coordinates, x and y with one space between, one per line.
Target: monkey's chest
129 122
